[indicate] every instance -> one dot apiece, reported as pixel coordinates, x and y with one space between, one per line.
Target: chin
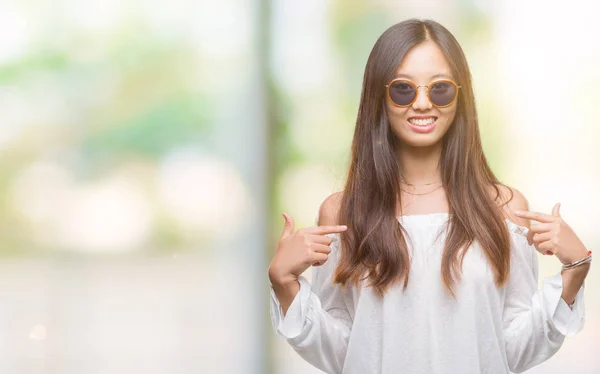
421 141
412 139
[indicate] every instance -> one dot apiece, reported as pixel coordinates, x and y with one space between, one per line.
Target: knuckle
308 255
306 240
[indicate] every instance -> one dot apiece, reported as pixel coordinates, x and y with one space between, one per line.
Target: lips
422 124
422 121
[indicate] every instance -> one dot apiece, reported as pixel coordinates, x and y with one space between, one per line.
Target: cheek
447 117
396 115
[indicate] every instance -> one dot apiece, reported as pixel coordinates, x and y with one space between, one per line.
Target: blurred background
148 149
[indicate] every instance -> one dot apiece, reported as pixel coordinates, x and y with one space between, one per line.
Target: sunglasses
441 93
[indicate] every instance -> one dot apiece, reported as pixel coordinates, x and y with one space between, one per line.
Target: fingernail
518 212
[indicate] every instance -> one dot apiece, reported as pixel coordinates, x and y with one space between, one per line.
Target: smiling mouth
422 122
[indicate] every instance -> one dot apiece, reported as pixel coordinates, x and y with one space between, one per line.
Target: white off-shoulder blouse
423 329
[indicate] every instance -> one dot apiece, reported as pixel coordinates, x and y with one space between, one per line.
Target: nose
422 102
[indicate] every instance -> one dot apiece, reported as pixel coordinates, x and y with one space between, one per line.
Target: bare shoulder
510 200
328 212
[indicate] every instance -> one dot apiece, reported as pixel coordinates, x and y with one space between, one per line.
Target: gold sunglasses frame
389 85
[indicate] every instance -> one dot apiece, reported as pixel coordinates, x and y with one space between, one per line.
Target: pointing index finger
323 230
536 216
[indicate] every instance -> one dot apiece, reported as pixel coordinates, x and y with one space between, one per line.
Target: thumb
288 227
556 210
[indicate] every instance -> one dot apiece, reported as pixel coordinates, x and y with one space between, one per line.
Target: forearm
318 332
285 290
572 282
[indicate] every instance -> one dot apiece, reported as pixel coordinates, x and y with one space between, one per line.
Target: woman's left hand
552 235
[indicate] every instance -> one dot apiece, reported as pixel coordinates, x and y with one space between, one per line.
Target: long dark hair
374 245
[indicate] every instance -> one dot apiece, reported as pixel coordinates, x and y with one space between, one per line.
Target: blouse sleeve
535 321
318 322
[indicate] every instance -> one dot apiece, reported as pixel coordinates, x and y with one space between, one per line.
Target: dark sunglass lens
402 93
442 93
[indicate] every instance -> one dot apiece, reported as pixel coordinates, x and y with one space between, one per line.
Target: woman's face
422 124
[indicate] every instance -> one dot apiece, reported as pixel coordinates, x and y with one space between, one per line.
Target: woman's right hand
298 250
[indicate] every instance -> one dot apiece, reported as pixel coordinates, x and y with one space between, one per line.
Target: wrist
281 280
576 271
579 263
574 258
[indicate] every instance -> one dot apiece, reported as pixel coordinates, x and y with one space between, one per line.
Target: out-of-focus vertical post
263 55
264 58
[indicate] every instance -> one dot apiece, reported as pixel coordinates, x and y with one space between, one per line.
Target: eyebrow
435 76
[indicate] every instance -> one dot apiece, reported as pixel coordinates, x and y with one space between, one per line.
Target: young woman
425 262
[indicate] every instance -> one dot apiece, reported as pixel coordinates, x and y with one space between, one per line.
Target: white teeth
422 122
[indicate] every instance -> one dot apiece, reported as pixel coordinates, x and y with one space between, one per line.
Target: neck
420 165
